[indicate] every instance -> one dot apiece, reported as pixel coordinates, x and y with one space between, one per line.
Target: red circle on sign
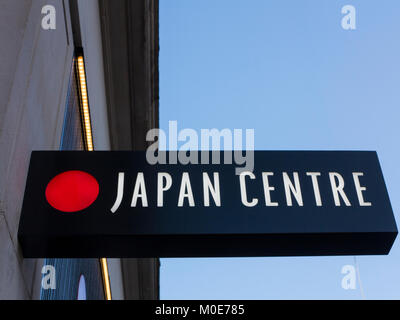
72 191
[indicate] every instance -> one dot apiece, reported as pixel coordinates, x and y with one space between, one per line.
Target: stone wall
35 66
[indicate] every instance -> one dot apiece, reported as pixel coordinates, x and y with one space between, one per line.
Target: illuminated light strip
106 278
87 128
85 104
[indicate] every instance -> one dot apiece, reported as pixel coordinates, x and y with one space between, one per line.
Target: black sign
294 203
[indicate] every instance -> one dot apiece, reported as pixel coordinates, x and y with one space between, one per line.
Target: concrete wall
35 66
92 45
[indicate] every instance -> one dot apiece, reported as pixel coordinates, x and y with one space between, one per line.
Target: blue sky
288 70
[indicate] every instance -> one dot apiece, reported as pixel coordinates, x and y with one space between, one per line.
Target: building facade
42 107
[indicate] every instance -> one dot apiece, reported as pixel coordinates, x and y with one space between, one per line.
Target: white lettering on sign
337 189
314 178
360 189
243 192
139 191
268 189
161 187
208 188
292 188
120 192
185 191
